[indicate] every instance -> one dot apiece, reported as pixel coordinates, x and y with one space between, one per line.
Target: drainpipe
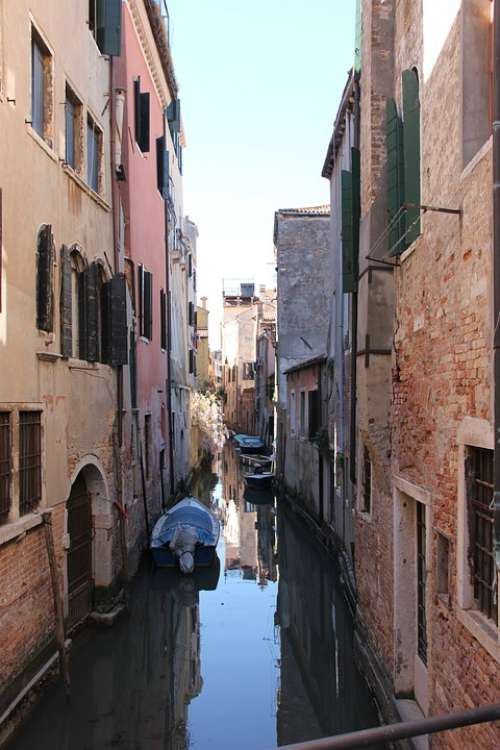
119 370
496 270
169 334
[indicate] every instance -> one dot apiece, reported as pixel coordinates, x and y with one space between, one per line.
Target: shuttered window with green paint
411 147
350 184
395 180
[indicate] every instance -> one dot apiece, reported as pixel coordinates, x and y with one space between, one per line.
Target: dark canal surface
257 656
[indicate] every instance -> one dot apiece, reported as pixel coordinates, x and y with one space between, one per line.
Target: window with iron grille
479 475
421 575
5 465
30 460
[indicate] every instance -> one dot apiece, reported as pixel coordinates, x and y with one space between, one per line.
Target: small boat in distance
186 535
250 444
260 480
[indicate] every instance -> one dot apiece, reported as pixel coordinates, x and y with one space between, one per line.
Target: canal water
250 655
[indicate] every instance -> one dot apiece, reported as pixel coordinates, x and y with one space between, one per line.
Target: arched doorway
79 558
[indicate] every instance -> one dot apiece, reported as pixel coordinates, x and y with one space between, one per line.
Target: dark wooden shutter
348 271
191 361
163 320
44 281
160 155
66 304
137 110
140 273
395 179
88 313
144 123
169 320
190 264
314 421
174 116
190 313
148 305
133 371
411 147
114 321
109 26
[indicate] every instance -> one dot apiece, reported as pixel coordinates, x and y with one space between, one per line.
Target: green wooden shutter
162 167
144 124
411 141
66 304
356 207
395 179
109 26
348 272
44 280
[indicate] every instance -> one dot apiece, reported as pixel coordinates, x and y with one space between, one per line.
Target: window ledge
49 356
86 189
43 144
82 364
17 528
482 629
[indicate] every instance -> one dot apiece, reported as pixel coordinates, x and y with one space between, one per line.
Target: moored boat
186 535
260 481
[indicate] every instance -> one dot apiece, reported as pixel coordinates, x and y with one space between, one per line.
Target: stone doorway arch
89 523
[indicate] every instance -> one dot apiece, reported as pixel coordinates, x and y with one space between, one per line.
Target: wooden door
79 553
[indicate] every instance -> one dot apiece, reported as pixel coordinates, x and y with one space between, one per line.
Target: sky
259 82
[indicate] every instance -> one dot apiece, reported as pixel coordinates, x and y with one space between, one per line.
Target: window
162 167
443 557
41 88
105 25
366 497
479 479
94 155
192 362
174 124
190 265
5 465
302 413
190 314
421 576
66 303
403 166
73 125
314 414
293 415
141 109
45 280
145 303
163 319
147 443
30 460
248 371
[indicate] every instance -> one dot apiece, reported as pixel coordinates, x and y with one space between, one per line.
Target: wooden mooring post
58 600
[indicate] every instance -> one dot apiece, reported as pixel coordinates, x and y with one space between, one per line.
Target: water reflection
259 655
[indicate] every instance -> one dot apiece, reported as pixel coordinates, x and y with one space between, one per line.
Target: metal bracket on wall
367 351
438 209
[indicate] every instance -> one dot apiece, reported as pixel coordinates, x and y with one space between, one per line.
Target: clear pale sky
260 82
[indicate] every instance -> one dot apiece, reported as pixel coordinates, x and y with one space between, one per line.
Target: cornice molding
147 41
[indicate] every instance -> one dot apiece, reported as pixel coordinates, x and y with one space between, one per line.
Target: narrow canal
254 654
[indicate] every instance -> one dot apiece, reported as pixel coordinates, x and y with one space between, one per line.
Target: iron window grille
5 465
421 584
30 460
481 553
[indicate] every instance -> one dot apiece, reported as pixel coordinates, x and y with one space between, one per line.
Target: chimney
204 302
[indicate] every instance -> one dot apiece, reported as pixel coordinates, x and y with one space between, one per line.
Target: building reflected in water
321 692
249 529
